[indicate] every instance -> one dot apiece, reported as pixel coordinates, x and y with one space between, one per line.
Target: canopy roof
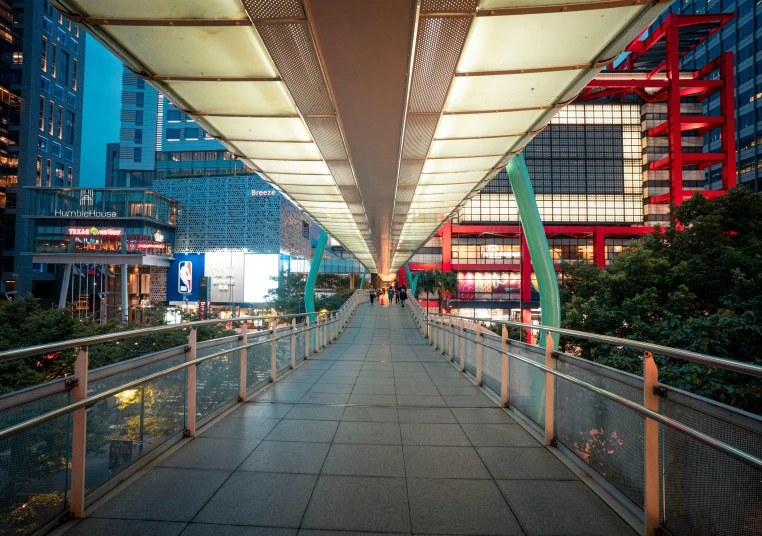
377 117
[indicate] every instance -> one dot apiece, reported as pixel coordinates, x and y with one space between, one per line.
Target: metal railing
298 341
536 389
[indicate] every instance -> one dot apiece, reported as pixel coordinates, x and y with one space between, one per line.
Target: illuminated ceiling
377 117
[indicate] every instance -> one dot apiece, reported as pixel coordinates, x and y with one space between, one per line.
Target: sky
100 122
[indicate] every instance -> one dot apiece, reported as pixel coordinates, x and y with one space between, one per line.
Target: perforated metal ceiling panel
380 117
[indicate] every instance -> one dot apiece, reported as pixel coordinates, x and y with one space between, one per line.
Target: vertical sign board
183 276
204 297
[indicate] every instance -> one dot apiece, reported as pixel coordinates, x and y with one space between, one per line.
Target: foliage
443 283
695 285
288 297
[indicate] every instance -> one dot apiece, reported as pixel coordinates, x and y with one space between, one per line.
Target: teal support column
309 289
539 252
413 280
362 281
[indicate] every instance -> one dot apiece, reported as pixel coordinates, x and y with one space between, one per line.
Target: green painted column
412 280
362 282
309 289
539 251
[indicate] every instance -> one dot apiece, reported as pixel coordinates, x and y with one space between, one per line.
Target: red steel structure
653 65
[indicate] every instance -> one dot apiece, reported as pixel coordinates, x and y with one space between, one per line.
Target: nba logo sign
185 277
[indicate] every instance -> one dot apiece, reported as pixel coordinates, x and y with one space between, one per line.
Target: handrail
29 351
687 355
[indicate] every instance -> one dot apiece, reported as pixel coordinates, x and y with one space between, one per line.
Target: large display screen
259 269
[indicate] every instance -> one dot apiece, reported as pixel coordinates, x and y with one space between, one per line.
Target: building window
47 26
59 174
71 176
58 92
18 57
39 171
173 134
60 122
305 230
45 84
65 67
69 154
138 135
74 75
61 35
69 127
42 144
174 116
72 100
48 172
138 155
140 83
44 54
51 114
53 62
191 134
56 149
74 45
76 30
138 117
42 113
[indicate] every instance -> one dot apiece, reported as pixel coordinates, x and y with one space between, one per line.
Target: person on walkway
396 294
403 295
372 295
390 293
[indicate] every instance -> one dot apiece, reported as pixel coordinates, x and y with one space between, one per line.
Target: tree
695 285
427 283
446 283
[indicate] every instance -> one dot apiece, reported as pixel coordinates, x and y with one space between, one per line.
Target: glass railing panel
283 350
491 368
123 428
257 362
301 339
527 392
216 379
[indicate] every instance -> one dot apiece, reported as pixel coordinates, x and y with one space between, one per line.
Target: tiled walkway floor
377 433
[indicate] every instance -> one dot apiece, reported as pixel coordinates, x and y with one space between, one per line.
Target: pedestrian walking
390 293
396 295
403 295
372 295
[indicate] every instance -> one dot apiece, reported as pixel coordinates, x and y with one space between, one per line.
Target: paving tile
375 381
433 434
443 462
429 390
414 382
370 414
313 532
337 380
536 505
336 388
458 390
373 400
240 428
286 457
420 400
365 460
262 410
260 499
304 431
368 433
288 397
359 504
324 398
370 389
315 413
459 507
212 453
475 401
481 415
522 463
125 527
499 435
180 492
207 529
427 415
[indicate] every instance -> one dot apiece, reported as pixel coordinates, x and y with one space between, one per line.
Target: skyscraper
157 140
743 37
40 90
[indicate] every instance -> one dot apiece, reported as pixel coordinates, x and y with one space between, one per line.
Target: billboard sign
185 277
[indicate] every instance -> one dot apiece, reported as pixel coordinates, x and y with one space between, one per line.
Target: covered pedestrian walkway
376 433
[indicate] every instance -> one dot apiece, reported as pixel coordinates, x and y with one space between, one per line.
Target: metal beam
309 289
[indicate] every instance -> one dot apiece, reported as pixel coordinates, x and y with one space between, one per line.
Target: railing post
550 390
293 343
190 428
651 445
307 339
273 351
479 339
317 334
79 437
326 342
450 338
504 385
441 335
242 363
462 347
433 337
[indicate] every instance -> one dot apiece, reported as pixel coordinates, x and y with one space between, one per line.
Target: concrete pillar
125 299
64 286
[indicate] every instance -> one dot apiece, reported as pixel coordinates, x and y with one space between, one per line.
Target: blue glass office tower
157 140
743 37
